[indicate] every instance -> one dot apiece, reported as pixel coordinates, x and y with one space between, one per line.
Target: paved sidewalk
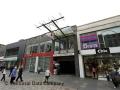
70 83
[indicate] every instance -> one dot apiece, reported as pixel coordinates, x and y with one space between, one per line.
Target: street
33 81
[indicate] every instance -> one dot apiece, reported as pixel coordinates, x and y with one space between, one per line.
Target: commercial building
14 53
99 47
2 53
73 50
51 49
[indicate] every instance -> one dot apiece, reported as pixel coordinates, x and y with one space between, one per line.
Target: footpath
33 81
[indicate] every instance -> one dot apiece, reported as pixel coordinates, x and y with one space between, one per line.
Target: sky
19 18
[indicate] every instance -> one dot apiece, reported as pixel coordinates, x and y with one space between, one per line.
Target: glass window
42 47
110 37
71 43
56 46
63 44
13 51
43 63
48 47
32 64
34 49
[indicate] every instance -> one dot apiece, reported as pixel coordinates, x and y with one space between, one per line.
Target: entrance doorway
91 67
66 65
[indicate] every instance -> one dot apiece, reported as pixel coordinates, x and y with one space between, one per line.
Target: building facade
2 53
51 49
14 53
73 50
99 47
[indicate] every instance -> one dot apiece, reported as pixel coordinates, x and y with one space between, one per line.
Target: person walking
94 71
20 73
4 74
47 75
13 75
113 76
11 68
39 70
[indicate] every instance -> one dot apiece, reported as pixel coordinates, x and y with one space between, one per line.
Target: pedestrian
47 75
94 71
11 68
114 74
107 76
20 73
39 70
2 66
13 75
4 74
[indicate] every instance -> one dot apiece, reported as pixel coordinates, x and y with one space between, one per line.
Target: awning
2 58
10 59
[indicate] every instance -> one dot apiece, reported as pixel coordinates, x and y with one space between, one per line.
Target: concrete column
76 57
81 67
81 64
36 63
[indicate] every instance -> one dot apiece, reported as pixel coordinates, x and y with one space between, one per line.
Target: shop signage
89 41
42 54
102 51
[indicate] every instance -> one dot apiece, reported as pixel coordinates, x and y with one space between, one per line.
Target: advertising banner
89 41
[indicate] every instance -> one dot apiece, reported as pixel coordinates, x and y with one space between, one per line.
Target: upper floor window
12 51
34 49
109 37
42 48
71 43
56 45
63 44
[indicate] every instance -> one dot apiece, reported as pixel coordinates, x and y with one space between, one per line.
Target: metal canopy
60 32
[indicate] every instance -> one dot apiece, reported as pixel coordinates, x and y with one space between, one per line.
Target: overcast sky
18 18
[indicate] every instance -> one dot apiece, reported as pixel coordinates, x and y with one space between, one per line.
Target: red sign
42 54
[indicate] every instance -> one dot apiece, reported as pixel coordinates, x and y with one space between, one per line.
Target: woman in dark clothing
113 76
11 68
20 72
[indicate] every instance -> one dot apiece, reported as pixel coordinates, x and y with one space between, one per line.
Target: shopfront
38 60
10 61
102 63
98 58
99 48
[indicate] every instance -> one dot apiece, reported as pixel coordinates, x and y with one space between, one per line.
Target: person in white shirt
47 75
4 73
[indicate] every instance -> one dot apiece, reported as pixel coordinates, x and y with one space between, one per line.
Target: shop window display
103 65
